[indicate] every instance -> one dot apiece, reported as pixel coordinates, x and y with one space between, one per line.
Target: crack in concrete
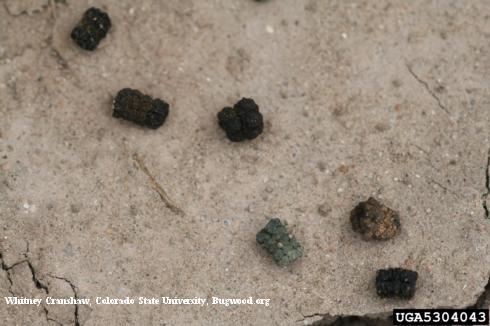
46 313
49 41
75 293
482 298
7 271
156 186
440 185
60 59
354 320
428 89
38 283
381 319
306 318
487 186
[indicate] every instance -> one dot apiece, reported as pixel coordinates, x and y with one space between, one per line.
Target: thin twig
156 186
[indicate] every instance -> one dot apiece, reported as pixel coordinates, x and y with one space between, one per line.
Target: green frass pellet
275 238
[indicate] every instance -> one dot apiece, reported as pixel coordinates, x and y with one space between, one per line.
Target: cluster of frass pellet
243 121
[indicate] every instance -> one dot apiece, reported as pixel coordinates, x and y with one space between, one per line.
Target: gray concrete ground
361 98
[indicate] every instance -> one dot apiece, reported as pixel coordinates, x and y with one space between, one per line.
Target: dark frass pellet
375 221
93 27
396 283
276 239
132 105
243 121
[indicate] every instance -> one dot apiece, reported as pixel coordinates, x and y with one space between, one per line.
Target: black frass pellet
93 27
132 105
396 283
243 121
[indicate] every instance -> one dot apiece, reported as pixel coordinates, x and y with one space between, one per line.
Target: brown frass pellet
396 283
375 221
132 105
91 29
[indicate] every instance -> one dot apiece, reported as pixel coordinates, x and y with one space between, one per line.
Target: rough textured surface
277 240
374 220
362 98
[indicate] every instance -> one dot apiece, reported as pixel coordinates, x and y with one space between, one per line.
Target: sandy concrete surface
361 98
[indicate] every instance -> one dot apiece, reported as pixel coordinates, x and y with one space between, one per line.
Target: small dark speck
133 210
324 209
75 209
321 166
381 127
440 89
396 83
